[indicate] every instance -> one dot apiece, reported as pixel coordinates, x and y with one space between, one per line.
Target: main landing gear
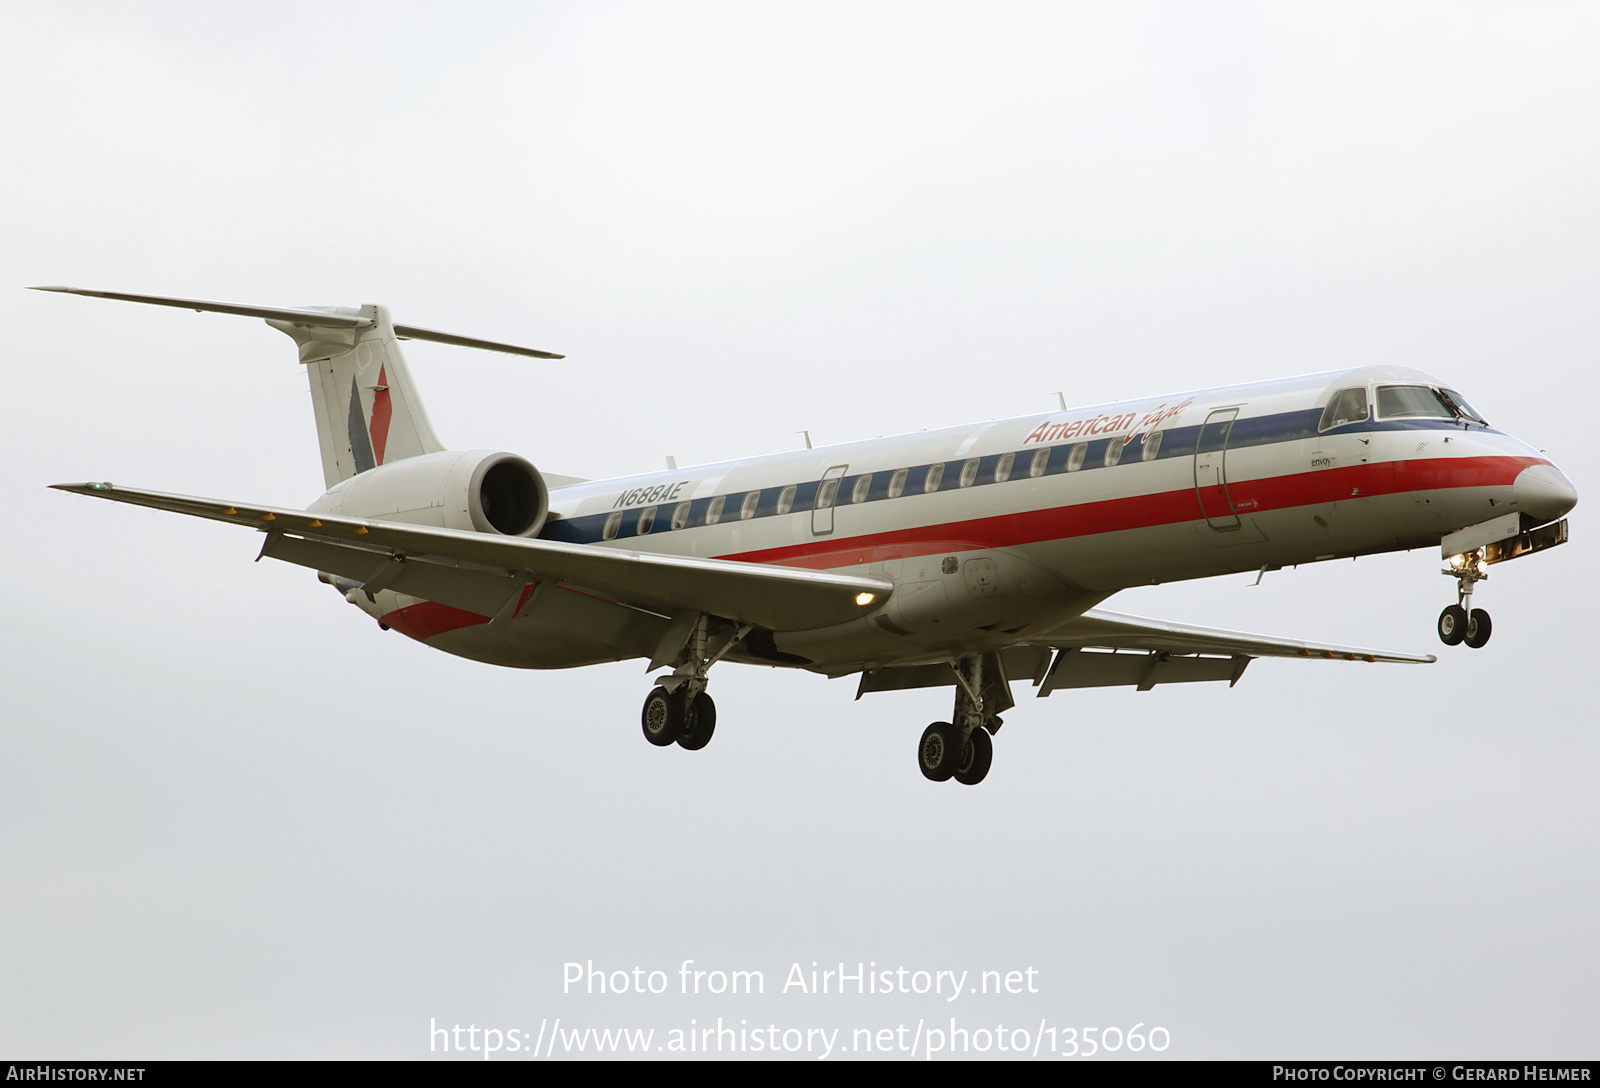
679 711
1461 622
676 717
962 749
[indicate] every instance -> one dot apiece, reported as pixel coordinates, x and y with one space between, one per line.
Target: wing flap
1077 668
455 566
482 592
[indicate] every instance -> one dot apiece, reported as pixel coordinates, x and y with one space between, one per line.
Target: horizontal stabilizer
411 332
327 319
305 316
467 569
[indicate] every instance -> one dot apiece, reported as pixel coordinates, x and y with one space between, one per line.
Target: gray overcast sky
238 820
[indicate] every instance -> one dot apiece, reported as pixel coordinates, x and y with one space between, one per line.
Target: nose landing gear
1461 622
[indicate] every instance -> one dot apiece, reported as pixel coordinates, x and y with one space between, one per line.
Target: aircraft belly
558 629
958 602
1358 525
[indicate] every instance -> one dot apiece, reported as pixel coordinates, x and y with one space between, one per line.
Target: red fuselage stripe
1146 511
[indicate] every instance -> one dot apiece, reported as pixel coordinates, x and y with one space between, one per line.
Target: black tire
976 755
699 723
939 751
662 717
1478 628
1453 625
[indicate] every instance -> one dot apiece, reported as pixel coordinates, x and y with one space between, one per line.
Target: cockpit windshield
1463 409
1412 402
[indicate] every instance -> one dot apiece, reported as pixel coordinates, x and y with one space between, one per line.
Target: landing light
864 599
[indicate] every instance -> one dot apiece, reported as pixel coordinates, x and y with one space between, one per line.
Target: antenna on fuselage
1062 397
808 437
672 463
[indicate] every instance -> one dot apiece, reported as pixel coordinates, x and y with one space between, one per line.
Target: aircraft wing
1092 651
1116 631
486 574
1108 649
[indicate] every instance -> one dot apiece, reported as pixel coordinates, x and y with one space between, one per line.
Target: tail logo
369 442
382 410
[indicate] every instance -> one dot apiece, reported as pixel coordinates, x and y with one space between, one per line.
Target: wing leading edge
486 574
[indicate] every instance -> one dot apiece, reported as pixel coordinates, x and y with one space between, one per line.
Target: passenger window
1411 402
786 499
897 483
647 520
714 509
1076 455
862 489
1347 406
1152 446
826 493
1041 461
1002 467
680 515
969 473
613 526
1113 452
930 483
748 510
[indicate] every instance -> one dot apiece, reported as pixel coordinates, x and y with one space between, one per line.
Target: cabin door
1211 471
827 498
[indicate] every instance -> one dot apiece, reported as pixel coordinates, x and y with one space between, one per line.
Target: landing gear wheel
662 718
976 755
1453 625
1478 628
699 723
939 751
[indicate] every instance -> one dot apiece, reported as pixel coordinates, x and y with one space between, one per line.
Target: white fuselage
1000 531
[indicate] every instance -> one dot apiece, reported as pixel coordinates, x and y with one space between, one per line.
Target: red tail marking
381 411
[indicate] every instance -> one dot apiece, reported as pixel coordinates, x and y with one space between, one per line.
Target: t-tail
367 408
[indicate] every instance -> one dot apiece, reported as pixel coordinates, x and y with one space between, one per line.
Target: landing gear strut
679 711
1461 622
961 748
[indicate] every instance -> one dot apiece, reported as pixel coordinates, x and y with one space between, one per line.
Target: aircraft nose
1541 491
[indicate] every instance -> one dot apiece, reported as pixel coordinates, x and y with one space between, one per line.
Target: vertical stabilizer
367 408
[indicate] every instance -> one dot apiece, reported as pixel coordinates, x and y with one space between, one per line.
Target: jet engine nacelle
482 491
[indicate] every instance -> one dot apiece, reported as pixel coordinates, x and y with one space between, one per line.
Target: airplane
968 557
